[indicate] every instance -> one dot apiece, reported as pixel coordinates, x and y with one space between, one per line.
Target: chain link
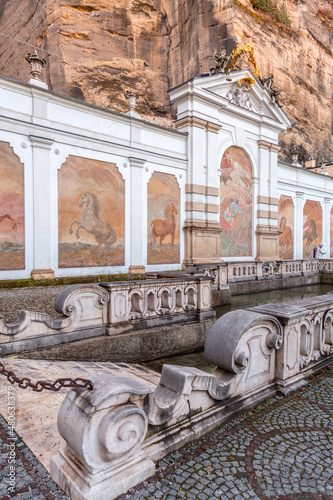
40 385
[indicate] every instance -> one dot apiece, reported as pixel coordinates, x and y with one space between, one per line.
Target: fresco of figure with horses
163 219
236 204
286 227
312 226
12 246
91 214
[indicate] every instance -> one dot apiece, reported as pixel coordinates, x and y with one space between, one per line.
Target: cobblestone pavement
32 481
281 450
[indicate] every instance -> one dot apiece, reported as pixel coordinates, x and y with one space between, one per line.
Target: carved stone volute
224 345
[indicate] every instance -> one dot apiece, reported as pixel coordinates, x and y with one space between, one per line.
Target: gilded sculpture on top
225 64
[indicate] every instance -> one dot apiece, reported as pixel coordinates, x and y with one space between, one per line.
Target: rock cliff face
96 49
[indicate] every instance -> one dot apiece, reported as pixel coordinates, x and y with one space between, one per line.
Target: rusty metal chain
42 384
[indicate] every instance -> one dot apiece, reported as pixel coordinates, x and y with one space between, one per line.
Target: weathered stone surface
133 346
99 49
224 346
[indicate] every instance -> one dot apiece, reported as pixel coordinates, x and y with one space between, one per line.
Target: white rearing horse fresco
90 222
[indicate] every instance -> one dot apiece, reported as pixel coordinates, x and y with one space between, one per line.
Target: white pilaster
264 168
273 171
138 198
212 174
42 218
298 225
326 224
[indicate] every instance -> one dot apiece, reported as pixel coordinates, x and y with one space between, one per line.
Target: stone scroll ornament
108 447
103 430
83 308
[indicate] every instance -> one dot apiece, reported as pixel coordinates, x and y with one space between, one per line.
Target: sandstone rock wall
97 49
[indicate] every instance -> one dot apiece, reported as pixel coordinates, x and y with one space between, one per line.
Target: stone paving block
283 447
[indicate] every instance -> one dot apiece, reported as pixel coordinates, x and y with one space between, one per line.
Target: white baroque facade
159 197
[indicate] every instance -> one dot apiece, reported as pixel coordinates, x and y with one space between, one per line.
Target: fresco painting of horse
235 204
12 245
163 245
312 226
286 227
91 214
90 222
160 228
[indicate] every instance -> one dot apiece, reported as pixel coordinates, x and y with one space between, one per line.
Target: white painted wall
44 129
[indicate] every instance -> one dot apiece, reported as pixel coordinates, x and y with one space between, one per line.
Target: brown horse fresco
163 224
7 216
160 228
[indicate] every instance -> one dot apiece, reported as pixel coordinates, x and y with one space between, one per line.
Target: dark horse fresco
310 235
312 226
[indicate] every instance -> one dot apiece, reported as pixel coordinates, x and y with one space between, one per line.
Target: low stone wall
246 287
240 278
132 346
114 433
125 313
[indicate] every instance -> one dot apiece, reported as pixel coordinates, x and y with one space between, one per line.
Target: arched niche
12 217
286 227
163 219
236 203
91 214
312 226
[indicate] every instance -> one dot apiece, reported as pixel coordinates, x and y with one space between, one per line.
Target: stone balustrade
241 271
308 337
292 268
157 298
257 351
231 272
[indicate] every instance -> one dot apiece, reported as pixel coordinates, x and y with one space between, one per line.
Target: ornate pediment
242 89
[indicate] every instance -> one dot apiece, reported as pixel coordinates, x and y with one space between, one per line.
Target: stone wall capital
136 162
264 145
213 127
41 142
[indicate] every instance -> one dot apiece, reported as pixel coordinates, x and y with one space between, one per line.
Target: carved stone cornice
41 142
136 162
193 121
274 148
190 121
263 145
213 127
